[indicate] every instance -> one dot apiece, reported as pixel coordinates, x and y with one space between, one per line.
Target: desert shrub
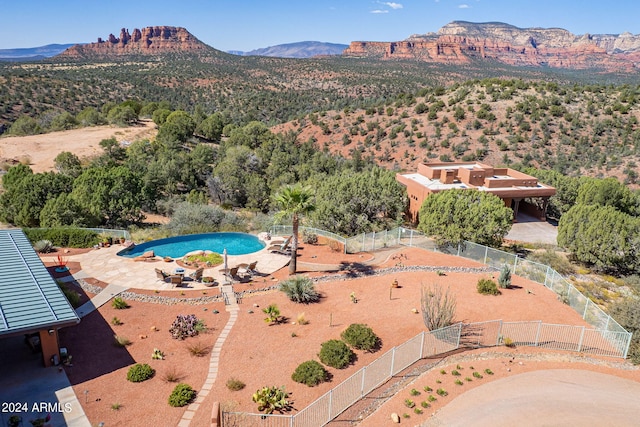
65 237
140 372
301 319
409 403
119 304
335 353
504 280
477 375
115 321
271 399
309 237
487 287
310 373
186 326
189 218
72 296
181 395
235 384
442 392
198 349
43 246
172 375
300 289
360 337
121 341
553 259
438 309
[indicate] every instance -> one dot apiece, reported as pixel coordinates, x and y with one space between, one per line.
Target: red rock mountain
149 40
462 42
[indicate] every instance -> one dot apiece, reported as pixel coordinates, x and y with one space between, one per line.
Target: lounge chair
249 269
275 242
197 275
161 275
282 248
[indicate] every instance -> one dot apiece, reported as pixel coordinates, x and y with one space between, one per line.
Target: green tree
67 163
122 116
24 198
354 202
294 201
89 117
63 121
111 194
178 127
453 216
211 127
25 125
64 210
601 236
608 192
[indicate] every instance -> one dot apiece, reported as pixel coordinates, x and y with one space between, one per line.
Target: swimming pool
176 247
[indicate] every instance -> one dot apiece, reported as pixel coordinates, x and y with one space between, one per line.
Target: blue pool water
176 247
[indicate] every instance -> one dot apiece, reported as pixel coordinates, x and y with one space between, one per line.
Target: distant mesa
461 42
306 49
149 40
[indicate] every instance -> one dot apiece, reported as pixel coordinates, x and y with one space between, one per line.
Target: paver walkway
100 299
233 309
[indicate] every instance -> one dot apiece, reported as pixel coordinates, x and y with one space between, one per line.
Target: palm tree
296 201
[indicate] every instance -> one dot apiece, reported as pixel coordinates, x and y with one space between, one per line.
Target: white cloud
392 5
379 11
464 6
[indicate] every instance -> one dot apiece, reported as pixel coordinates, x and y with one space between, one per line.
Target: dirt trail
85 142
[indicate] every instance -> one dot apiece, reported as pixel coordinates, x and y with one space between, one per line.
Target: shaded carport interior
31 302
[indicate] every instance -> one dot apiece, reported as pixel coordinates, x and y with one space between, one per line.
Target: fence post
422 346
626 348
458 249
459 333
399 234
393 360
486 250
546 277
606 325
538 333
515 264
373 245
411 238
363 244
584 314
292 418
330 404
581 338
364 375
499 333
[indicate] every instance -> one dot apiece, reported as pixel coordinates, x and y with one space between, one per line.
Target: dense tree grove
453 216
602 229
243 170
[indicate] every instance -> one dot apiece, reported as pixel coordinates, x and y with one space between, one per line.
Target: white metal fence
285 230
432 343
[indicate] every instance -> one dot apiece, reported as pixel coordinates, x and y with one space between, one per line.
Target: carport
31 303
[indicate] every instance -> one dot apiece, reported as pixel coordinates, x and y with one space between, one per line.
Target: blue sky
251 24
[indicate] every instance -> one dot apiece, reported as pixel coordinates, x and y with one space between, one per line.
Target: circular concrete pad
560 397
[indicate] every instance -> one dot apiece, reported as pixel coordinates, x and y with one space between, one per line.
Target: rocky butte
149 40
461 42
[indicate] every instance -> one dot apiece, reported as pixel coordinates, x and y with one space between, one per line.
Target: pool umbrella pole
226 266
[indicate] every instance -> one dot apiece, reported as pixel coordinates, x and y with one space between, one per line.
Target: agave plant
271 399
43 246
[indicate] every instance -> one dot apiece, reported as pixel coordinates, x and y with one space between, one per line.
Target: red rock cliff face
149 40
461 42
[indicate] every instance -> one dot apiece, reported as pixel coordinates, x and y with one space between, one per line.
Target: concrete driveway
532 230
26 386
557 397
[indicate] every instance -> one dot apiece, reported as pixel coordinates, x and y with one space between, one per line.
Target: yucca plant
300 289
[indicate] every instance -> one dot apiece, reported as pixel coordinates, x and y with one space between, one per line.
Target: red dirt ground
260 354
